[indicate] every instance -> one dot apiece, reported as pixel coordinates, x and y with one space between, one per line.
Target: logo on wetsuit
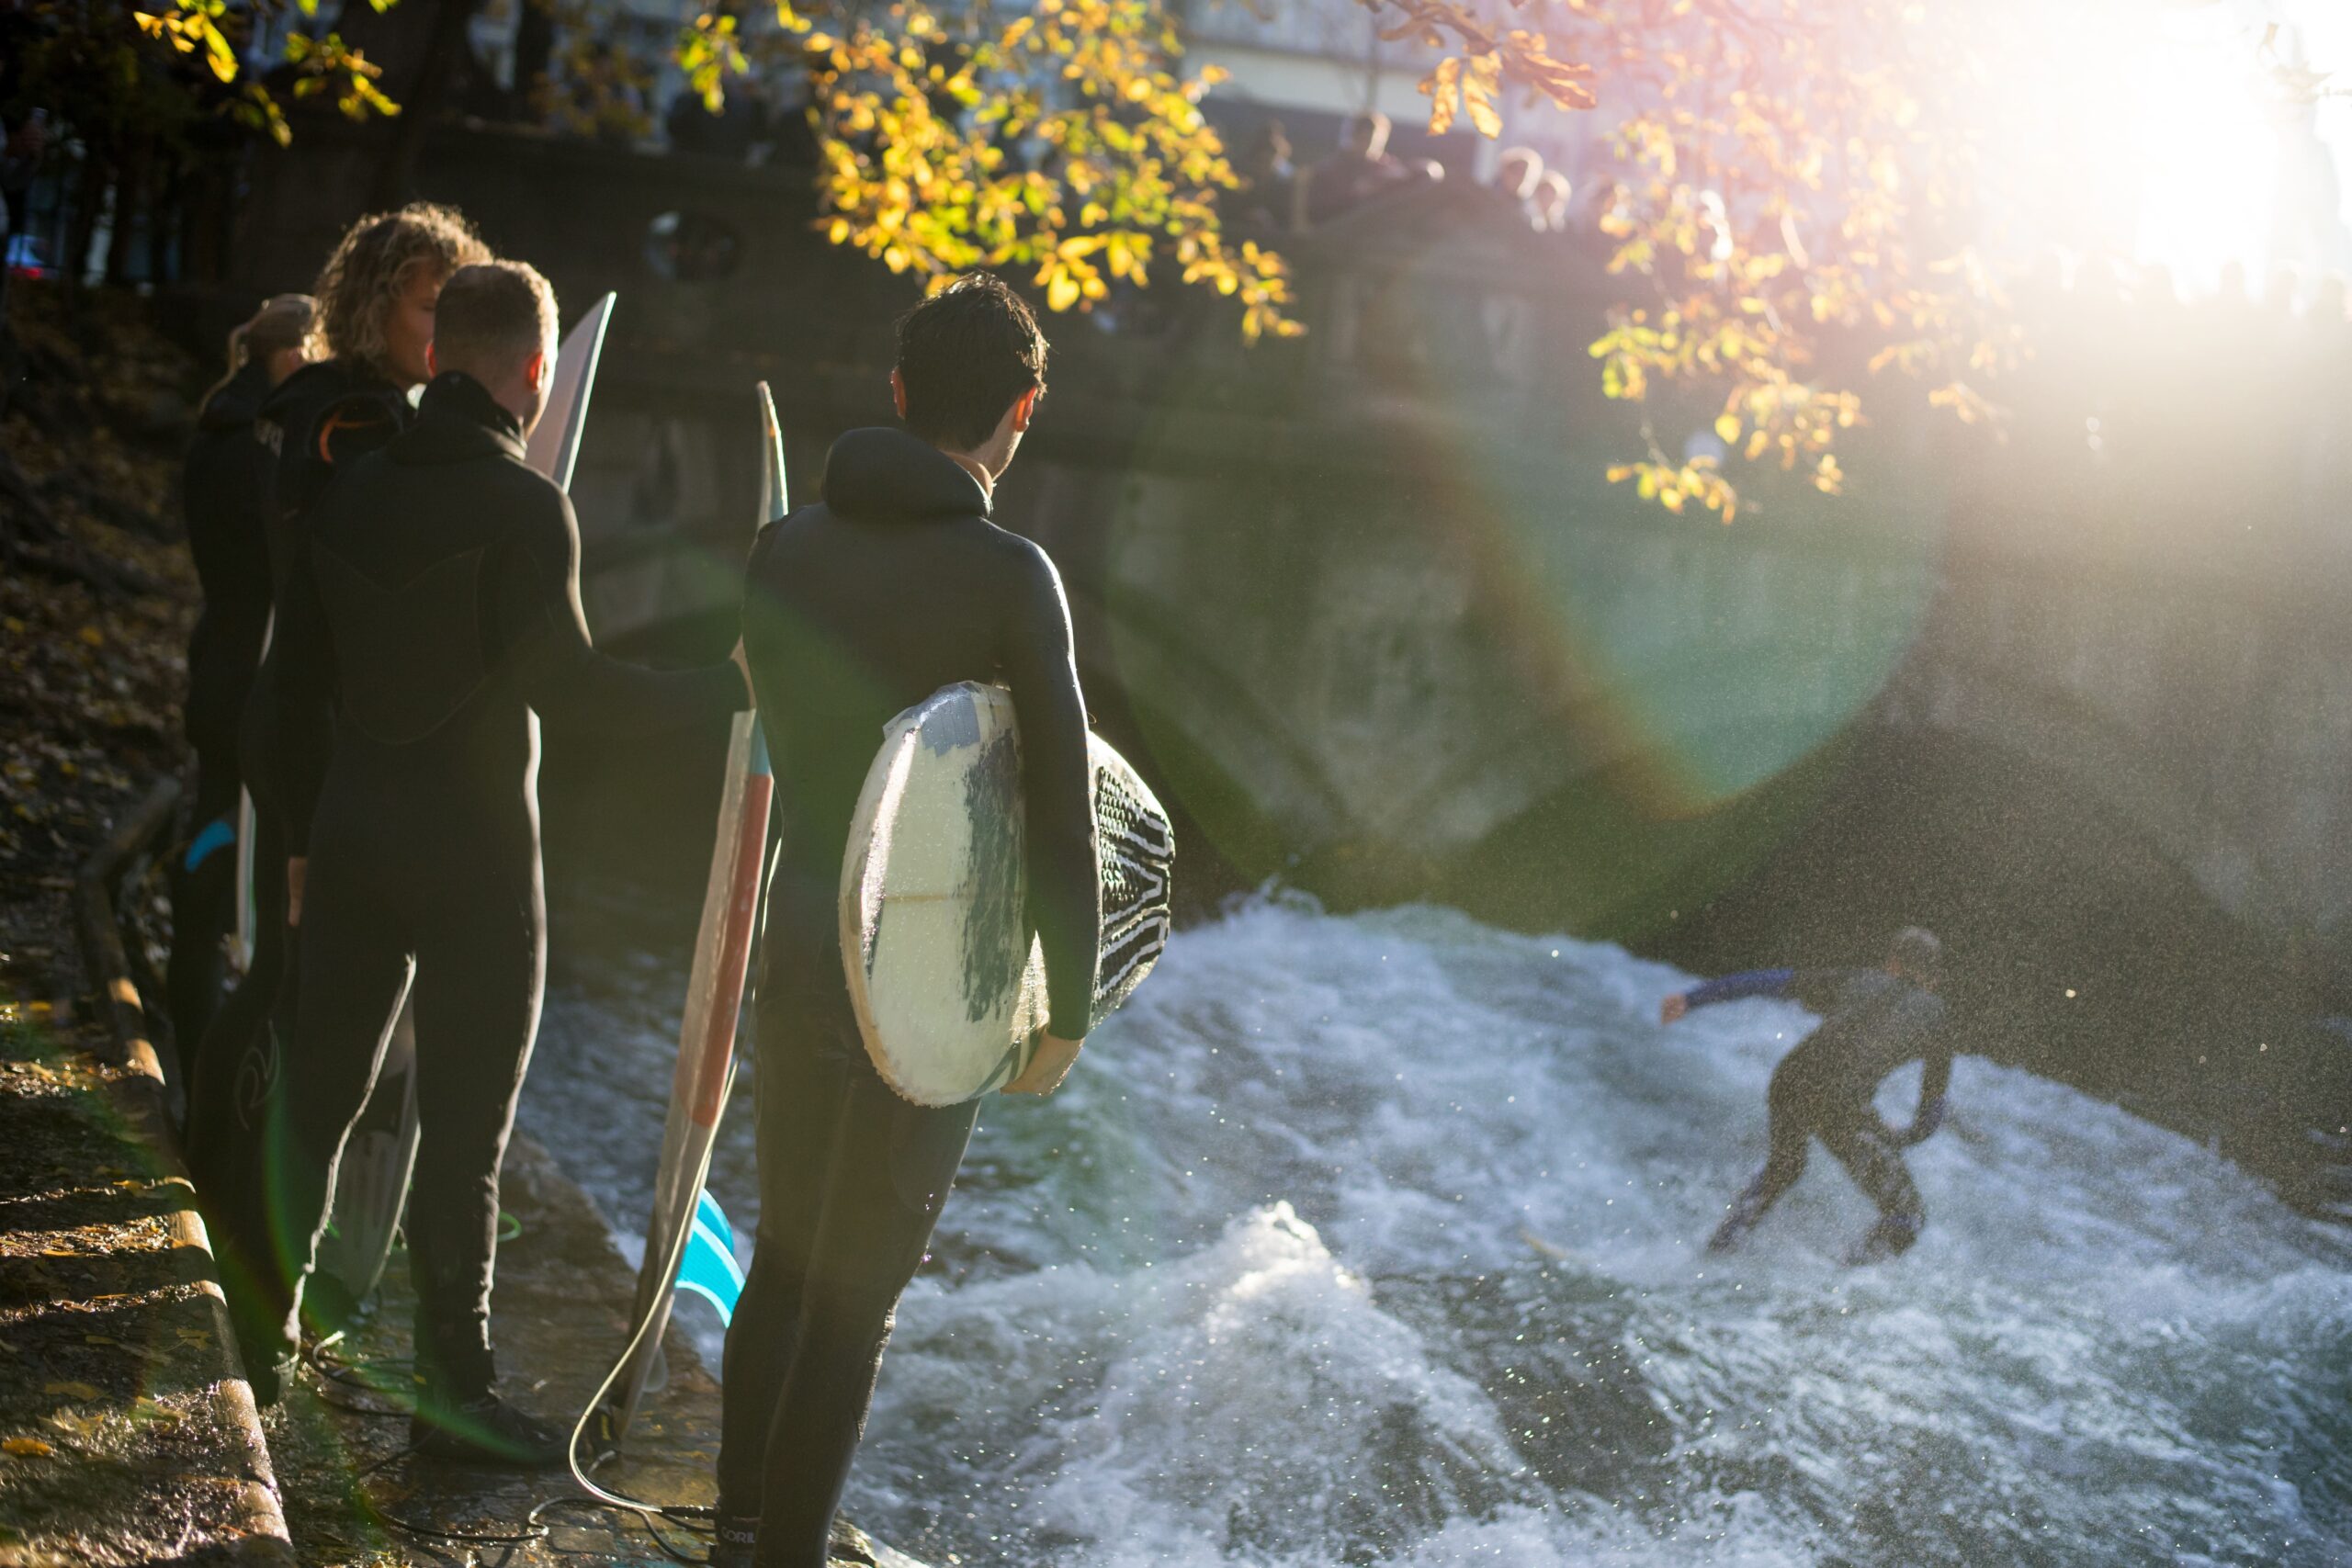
362 417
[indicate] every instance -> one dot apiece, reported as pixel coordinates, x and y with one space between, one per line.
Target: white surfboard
554 447
372 1182
946 980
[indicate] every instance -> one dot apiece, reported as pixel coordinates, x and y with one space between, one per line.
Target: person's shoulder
320 378
321 385
536 504
234 406
1018 555
780 537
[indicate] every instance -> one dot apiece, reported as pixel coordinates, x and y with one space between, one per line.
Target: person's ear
1025 409
898 393
432 366
537 371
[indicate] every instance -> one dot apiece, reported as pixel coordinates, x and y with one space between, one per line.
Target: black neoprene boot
487 1432
737 1541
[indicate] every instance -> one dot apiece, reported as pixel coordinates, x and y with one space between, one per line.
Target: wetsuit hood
239 399
457 421
885 475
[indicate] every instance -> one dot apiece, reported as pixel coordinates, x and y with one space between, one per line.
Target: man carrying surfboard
1872 1021
893 583
437 613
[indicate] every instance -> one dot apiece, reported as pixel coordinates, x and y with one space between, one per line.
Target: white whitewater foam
1374 1239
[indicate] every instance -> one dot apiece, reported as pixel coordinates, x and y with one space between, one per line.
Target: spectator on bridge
1269 180
1553 195
1517 173
1360 170
793 129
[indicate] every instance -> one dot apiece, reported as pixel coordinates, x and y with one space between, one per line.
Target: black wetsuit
1871 1022
857 608
438 610
317 421
221 496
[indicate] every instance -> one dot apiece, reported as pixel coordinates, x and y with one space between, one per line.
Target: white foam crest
1201 1402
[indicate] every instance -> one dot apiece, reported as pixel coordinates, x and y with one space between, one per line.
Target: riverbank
125 1434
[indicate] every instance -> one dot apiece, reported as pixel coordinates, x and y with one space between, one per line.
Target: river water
1374 1239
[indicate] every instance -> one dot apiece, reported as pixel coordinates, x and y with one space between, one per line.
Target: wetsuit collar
880 474
454 393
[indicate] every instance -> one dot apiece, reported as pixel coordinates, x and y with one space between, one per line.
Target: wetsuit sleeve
537 621
1065 896
306 686
1934 1087
1735 988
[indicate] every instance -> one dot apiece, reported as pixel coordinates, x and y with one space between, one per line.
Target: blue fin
219 834
709 1269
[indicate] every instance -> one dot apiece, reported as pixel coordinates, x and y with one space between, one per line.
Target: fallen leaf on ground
72 1390
30 1448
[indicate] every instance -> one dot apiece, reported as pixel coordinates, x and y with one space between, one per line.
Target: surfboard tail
717 982
775 498
554 445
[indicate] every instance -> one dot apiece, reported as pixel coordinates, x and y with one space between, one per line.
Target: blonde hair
282 322
375 260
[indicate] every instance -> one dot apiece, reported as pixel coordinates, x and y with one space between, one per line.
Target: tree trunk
445 52
533 53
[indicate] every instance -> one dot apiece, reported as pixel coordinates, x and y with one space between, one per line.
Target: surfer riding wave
1873 1021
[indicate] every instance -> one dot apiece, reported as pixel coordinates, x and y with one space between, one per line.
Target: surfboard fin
708 1268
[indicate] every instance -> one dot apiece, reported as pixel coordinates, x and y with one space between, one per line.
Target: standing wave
1376 1239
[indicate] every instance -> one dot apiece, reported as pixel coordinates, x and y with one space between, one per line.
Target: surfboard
946 980
686 1245
371 1181
554 444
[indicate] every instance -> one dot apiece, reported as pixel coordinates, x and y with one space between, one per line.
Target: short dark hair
491 312
1917 951
964 355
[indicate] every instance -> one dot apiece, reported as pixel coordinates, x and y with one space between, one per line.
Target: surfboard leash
595 1407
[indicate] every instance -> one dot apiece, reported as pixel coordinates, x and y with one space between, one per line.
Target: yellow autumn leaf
71 1389
27 1448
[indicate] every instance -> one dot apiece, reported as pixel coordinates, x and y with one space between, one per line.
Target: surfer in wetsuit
1872 1021
893 583
435 612
221 495
372 327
